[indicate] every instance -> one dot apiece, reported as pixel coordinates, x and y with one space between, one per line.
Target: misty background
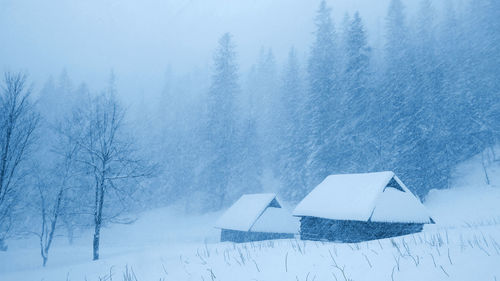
221 98
140 42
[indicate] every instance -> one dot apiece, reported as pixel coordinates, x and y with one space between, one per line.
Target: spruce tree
322 101
267 96
220 134
483 32
248 165
357 68
294 136
343 38
456 106
427 160
395 97
398 74
357 101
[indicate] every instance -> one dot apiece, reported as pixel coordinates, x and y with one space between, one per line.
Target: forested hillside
425 99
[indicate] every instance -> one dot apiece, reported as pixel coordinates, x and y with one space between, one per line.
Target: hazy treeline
427 98
418 104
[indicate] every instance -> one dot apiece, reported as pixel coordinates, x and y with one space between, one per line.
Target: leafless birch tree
54 191
108 153
18 121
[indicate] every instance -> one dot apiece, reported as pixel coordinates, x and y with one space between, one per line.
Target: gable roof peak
243 214
363 197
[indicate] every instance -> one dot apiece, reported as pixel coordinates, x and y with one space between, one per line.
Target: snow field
464 253
467 254
165 244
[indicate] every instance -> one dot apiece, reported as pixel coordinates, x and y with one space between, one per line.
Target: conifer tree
294 137
248 168
221 128
322 98
267 99
357 101
357 71
397 137
398 75
426 158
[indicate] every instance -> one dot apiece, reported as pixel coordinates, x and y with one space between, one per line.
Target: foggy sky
140 39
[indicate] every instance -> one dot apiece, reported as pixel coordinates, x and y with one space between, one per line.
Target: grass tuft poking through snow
458 254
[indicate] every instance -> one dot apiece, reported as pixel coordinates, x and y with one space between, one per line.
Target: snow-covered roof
378 197
276 220
258 212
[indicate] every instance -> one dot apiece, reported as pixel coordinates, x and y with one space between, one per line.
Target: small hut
360 207
256 217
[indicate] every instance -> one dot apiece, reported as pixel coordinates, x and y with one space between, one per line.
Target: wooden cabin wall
312 228
249 236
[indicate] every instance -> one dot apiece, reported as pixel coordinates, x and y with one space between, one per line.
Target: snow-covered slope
165 244
471 201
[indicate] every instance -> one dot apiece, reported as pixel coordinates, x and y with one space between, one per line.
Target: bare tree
49 216
108 154
54 192
18 121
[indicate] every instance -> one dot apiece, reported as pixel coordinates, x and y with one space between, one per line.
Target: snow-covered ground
471 201
165 244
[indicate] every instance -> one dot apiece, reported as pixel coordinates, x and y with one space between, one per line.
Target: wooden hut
257 217
360 207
